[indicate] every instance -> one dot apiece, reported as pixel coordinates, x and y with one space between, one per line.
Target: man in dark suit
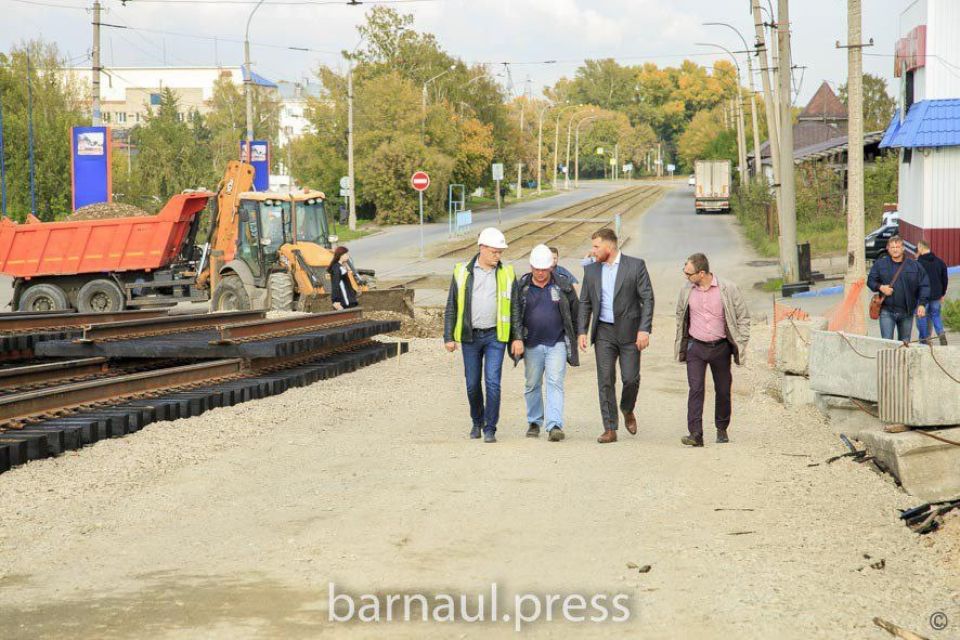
616 307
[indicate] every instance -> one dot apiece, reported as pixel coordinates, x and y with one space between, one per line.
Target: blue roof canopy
258 80
929 123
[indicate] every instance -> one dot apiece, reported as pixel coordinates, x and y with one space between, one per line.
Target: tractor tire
43 297
230 295
281 287
100 296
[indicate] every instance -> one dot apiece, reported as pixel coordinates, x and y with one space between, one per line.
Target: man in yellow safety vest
482 314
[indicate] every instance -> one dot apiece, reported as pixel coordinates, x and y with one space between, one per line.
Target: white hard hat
541 257
492 237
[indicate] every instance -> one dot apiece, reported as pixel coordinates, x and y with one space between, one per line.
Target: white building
293 106
926 128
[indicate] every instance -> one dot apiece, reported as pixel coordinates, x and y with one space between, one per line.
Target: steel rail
50 372
36 322
284 326
164 325
18 407
607 199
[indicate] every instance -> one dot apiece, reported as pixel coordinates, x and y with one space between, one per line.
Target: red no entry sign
420 181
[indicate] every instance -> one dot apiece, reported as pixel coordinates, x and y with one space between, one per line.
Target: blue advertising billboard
90 165
260 159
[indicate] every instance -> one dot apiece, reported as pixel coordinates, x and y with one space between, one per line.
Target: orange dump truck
104 265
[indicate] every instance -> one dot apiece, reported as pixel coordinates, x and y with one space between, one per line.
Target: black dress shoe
475 432
690 441
489 437
533 431
722 436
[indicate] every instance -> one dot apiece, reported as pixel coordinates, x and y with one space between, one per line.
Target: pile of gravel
106 211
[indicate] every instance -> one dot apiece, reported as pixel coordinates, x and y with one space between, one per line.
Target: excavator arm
237 179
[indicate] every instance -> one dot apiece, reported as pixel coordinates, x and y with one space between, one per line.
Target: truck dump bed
94 246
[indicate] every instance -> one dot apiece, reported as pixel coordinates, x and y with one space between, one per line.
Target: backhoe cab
282 251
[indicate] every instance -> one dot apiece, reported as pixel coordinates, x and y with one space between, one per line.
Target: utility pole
741 139
351 198
770 104
659 159
95 80
566 166
789 262
33 166
3 166
248 83
540 150
856 259
520 159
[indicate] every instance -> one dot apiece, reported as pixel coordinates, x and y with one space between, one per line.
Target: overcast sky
516 31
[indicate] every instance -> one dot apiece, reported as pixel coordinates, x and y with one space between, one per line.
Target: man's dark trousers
608 350
483 358
717 355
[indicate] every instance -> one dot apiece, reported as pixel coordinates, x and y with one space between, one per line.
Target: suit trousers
608 350
699 356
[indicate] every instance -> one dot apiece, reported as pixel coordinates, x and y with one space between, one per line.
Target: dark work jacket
912 283
569 308
936 273
450 313
337 276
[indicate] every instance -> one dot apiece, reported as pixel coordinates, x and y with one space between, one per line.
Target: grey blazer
632 300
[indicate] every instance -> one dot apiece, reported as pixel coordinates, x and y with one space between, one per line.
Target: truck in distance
712 188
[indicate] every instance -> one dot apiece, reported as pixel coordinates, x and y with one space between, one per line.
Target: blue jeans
552 361
484 354
899 320
933 315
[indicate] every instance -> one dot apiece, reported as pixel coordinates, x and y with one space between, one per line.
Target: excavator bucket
399 300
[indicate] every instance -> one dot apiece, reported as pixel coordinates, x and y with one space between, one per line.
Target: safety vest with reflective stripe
505 278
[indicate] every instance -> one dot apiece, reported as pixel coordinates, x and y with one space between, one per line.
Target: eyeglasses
688 274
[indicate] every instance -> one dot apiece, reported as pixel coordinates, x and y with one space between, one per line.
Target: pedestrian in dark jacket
907 296
939 279
342 292
483 316
548 306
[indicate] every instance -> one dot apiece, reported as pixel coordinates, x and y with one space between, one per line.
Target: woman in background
343 292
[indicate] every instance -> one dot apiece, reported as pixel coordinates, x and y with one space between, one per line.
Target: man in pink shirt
713 324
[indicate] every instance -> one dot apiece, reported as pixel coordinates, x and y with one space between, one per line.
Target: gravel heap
105 211
426 323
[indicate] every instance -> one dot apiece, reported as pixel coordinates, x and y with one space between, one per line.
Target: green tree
57 106
878 105
227 120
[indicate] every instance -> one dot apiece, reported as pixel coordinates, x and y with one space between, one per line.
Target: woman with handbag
902 289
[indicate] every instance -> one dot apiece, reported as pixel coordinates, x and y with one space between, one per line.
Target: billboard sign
260 159
90 166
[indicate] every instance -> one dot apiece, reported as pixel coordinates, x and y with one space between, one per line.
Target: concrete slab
927 468
920 387
846 365
792 348
795 390
845 416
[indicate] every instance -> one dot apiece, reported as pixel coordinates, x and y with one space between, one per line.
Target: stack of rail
122 375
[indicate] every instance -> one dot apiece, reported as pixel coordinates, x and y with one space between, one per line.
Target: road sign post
420 181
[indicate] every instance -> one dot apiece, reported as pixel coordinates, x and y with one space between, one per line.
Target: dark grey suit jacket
632 300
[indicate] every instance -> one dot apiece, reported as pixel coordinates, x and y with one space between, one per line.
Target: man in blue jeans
939 279
905 289
548 305
482 315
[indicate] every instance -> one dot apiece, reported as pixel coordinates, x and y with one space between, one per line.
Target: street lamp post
758 174
576 162
423 99
556 143
248 81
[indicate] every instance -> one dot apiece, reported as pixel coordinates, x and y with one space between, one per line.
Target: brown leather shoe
631 422
609 435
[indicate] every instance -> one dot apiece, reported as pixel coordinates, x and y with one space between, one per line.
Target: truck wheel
44 297
281 291
100 296
230 295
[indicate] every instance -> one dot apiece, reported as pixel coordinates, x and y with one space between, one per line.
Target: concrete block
845 416
791 351
920 387
795 390
846 365
927 468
